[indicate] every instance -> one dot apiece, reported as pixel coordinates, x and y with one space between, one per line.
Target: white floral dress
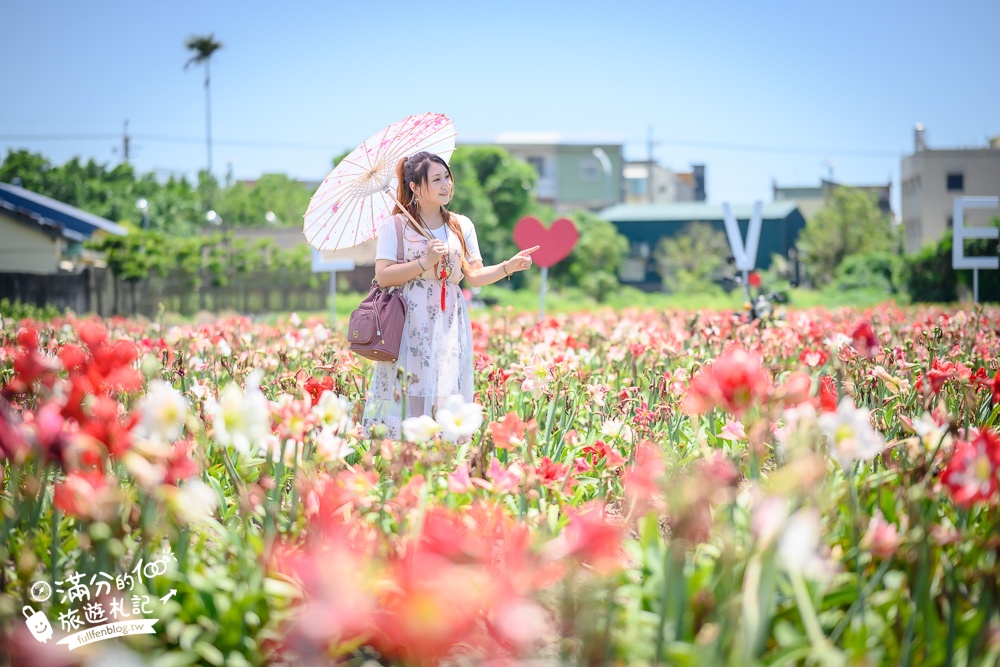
435 353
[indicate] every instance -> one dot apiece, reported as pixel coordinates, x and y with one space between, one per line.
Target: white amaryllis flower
334 411
613 428
836 341
223 347
331 447
420 429
241 419
798 546
767 518
849 433
931 433
162 412
295 320
196 364
196 389
320 333
458 419
195 501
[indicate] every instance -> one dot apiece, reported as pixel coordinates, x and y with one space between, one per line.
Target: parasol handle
416 225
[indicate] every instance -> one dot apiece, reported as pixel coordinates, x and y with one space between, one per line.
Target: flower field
627 488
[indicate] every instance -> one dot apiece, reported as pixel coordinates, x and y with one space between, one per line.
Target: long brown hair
414 169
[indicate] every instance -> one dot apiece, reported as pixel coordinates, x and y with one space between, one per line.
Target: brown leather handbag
376 326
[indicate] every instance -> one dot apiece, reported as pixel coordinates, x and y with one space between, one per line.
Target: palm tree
203 47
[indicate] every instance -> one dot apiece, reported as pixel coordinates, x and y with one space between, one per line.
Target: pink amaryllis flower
971 474
733 430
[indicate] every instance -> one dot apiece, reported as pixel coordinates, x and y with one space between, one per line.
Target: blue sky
755 91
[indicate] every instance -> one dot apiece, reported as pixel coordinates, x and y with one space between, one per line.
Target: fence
98 291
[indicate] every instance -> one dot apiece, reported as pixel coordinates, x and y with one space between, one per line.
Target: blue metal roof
75 222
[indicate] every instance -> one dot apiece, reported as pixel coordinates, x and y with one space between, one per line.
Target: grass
574 300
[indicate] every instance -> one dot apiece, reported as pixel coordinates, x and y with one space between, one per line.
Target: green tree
692 260
488 179
850 222
202 48
247 205
30 167
598 254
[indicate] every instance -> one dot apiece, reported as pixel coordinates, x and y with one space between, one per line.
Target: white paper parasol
349 206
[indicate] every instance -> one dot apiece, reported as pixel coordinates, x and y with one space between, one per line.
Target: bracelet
504 265
420 265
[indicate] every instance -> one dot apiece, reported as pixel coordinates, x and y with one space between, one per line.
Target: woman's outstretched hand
522 260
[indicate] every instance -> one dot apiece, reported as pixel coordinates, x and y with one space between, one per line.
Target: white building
932 178
652 183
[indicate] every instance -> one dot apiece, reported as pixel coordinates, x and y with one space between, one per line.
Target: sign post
320 265
744 254
554 244
960 232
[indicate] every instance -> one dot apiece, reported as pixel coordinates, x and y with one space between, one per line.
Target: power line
760 148
57 137
284 145
174 139
241 143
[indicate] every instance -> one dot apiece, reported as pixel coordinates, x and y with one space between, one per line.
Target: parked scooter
763 306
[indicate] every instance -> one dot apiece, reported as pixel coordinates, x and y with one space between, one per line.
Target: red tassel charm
444 276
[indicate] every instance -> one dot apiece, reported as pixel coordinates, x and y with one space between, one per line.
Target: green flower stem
806 610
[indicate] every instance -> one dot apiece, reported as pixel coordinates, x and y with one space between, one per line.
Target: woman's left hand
521 261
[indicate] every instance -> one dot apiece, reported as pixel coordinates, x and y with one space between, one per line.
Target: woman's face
437 190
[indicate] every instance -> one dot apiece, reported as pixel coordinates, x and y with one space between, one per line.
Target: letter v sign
745 255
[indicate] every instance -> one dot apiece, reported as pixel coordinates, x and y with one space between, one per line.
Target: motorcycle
764 305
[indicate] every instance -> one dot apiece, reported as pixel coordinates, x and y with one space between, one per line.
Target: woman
435 352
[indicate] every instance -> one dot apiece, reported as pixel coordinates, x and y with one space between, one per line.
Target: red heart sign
555 243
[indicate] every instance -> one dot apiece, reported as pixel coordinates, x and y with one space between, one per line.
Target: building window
539 164
636 186
956 182
589 169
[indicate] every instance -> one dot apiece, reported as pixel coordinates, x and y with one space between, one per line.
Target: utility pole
649 161
126 142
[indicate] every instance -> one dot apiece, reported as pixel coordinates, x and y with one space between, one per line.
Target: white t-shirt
385 247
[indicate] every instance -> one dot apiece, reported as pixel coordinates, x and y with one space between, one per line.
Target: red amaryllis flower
180 464
14 444
553 475
735 381
433 605
508 434
971 474
813 358
795 390
940 372
994 386
827 394
601 451
315 388
589 537
863 339
642 481
78 494
104 424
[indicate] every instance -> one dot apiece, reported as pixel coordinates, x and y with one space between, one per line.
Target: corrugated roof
691 211
71 218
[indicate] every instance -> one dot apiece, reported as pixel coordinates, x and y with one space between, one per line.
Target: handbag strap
399 240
